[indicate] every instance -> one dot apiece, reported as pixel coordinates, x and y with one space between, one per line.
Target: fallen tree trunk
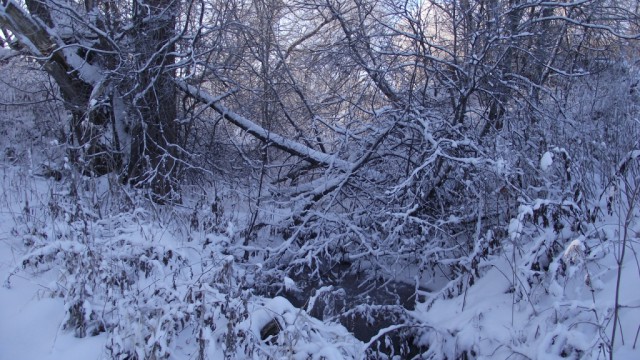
276 140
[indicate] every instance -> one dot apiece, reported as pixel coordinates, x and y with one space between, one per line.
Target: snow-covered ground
105 275
483 156
566 313
35 287
31 319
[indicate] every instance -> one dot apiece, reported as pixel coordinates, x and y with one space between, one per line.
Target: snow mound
546 161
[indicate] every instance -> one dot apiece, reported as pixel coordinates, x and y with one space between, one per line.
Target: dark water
364 307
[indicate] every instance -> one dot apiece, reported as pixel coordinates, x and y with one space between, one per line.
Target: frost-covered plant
112 272
151 298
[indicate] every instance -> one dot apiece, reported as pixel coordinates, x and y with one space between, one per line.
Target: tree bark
87 93
153 156
76 85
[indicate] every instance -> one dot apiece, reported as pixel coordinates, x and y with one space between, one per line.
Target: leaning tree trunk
87 89
89 150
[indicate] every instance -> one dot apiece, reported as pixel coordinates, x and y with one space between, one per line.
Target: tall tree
115 71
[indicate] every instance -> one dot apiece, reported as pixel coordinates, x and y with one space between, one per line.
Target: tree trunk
88 92
89 151
153 154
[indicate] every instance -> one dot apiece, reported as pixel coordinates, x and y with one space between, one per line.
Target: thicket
420 143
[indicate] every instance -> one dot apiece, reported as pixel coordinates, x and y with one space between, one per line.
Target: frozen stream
364 308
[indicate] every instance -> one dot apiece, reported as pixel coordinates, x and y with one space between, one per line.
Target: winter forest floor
183 303
31 326
91 269
323 180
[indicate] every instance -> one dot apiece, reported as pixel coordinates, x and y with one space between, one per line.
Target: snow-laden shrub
154 295
555 292
30 118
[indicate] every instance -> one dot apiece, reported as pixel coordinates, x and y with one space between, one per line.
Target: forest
320 179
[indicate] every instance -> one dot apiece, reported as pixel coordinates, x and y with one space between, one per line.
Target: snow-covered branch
276 140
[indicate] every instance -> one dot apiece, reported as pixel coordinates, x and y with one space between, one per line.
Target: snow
501 166
31 327
6 53
575 250
34 318
89 73
490 322
546 161
507 311
515 228
290 284
91 270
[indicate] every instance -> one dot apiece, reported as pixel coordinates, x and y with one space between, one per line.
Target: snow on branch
622 165
611 30
6 54
45 43
278 141
28 32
